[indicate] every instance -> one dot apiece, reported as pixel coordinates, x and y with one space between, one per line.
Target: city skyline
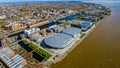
51 0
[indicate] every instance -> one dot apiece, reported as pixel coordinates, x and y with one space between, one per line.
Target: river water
101 49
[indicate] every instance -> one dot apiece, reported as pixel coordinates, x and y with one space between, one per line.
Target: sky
32 0
51 0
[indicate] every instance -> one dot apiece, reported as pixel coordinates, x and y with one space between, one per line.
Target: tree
22 36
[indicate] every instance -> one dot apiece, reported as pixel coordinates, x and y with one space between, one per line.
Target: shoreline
76 43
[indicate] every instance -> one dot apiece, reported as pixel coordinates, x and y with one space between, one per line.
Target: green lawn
25 42
38 50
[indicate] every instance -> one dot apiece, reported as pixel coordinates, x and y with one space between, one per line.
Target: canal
71 17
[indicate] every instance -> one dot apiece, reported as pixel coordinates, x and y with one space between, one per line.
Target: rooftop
12 62
32 30
86 25
5 51
72 31
58 41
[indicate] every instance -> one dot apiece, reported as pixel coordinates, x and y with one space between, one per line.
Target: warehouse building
10 60
72 31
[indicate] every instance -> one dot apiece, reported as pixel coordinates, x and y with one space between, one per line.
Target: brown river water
101 49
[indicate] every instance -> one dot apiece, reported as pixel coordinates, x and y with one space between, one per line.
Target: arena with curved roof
58 41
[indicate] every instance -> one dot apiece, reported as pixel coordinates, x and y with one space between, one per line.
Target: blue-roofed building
72 31
53 24
85 25
58 41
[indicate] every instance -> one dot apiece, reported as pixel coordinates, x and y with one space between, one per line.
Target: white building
31 31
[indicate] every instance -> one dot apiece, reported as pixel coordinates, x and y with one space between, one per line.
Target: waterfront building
10 60
72 31
58 41
85 25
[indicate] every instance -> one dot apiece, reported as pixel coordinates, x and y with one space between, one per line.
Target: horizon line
60 1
